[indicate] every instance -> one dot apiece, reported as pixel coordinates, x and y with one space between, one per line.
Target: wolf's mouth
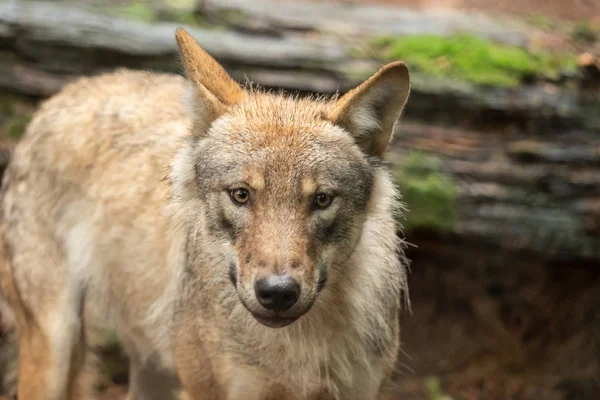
271 321
274 321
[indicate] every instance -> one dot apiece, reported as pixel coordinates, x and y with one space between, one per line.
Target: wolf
242 243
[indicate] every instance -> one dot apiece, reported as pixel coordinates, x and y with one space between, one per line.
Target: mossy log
43 45
537 193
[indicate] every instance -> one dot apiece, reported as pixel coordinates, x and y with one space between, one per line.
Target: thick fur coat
158 203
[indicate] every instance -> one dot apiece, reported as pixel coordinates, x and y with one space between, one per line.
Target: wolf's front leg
46 302
197 376
200 388
198 361
225 383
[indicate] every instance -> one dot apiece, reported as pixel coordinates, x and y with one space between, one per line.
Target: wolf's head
282 184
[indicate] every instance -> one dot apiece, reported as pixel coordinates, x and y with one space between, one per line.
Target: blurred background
497 156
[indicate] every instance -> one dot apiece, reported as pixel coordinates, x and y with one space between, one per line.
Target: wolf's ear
215 90
370 110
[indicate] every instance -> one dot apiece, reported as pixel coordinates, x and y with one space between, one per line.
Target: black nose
277 293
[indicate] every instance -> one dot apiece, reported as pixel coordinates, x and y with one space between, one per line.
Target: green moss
584 33
6 105
141 12
114 365
187 18
429 194
434 389
468 58
15 126
542 21
215 19
135 10
8 101
180 11
181 4
233 16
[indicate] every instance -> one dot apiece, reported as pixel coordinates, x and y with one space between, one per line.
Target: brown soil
498 326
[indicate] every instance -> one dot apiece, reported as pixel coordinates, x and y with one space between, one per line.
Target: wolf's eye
239 196
323 200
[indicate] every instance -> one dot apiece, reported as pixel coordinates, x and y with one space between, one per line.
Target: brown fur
8 350
94 234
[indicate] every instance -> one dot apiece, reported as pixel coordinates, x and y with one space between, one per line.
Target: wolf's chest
299 367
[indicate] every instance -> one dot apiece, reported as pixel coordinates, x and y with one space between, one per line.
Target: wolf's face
287 190
285 183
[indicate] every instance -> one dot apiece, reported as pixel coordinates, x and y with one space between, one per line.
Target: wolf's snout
277 293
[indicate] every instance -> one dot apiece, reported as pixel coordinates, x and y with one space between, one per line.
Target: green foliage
542 21
15 113
472 59
429 194
139 11
186 18
15 126
181 4
180 11
114 366
216 19
584 33
6 104
8 101
435 390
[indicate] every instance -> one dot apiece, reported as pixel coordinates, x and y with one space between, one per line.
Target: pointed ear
215 90
369 111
